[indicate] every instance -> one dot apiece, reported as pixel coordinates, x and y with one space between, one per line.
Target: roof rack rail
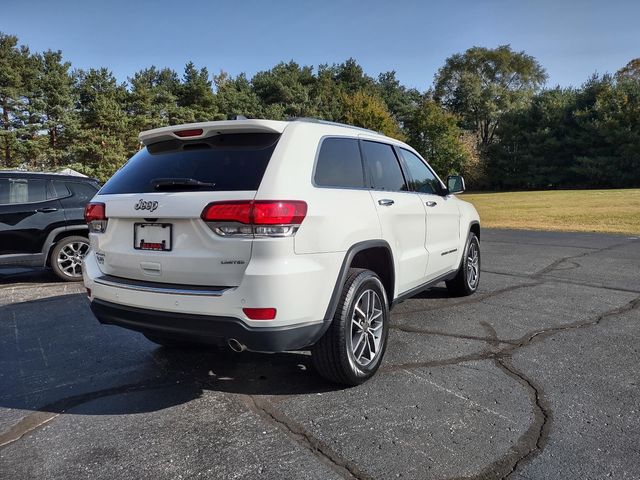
327 122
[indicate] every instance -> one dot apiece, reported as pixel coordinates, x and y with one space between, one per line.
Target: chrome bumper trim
152 287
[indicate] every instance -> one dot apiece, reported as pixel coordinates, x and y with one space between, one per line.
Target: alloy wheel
366 328
70 258
473 265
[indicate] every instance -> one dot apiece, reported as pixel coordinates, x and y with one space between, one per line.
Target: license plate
152 236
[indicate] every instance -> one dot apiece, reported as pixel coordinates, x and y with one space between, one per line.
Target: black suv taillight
255 218
95 216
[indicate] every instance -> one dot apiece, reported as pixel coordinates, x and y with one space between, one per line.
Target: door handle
431 203
47 209
386 202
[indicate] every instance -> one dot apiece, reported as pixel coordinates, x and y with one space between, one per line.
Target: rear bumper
208 329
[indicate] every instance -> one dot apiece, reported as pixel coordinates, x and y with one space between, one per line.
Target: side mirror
455 184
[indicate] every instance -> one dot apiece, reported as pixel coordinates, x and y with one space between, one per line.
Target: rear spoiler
208 129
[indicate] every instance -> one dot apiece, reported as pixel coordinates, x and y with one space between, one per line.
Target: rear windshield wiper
180 183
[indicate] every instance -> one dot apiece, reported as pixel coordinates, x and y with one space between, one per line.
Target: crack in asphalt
540 244
440 333
328 456
532 442
550 278
473 299
554 265
529 445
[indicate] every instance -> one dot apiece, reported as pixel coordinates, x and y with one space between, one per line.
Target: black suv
42 221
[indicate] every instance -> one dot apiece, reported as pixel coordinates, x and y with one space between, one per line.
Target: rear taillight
95 216
255 218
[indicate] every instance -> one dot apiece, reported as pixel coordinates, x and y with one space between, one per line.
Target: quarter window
383 167
422 178
339 164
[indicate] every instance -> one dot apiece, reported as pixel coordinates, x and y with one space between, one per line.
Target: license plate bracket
153 236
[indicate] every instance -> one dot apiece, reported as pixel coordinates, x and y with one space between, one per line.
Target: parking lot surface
536 376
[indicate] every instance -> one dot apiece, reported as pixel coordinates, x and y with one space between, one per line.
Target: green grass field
612 211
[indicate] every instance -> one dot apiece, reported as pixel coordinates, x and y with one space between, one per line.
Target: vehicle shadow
56 357
10 275
433 292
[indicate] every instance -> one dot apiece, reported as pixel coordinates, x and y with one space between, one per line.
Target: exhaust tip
235 345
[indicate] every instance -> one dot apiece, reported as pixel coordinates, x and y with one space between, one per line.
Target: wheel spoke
357 324
358 349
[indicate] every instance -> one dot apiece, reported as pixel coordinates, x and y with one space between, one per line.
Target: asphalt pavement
536 376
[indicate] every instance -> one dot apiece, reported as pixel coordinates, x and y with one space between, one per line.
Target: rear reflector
260 313
194 132
259 212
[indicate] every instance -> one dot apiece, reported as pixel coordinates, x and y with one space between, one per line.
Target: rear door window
21 190
339 164
383 166
225 162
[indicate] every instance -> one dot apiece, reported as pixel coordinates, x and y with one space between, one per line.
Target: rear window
339 164
226 162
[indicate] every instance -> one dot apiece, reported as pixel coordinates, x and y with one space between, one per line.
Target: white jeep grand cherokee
274 236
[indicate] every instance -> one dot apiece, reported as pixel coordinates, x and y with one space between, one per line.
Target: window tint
51 193
82 192
61 189
230 162
422 179
21 190
339 164
383 167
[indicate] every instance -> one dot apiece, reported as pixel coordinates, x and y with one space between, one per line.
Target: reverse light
96 217
255 218
260 313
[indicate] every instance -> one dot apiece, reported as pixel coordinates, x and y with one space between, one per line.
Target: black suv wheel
352 348
467 279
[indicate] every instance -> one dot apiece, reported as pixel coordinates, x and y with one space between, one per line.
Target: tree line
487 114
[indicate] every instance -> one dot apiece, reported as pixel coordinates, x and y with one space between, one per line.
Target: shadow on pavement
10 275
65 358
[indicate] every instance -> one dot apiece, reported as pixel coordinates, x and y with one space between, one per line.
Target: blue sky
572 39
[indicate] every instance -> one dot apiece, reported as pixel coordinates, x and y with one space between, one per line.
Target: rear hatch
153 205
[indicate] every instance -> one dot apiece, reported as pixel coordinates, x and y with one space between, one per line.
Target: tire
467 279
66 258
335 356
